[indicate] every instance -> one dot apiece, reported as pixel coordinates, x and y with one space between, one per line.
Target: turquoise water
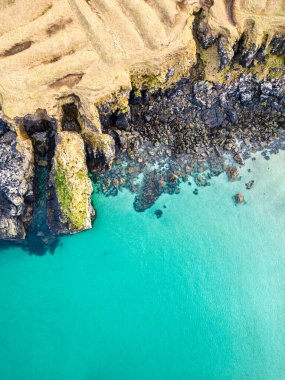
196 294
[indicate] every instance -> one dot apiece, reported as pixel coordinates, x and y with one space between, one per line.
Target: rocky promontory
85 84
69 204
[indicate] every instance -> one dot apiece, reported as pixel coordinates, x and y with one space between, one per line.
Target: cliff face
60 61
16 183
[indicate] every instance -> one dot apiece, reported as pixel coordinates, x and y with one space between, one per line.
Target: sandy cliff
51 49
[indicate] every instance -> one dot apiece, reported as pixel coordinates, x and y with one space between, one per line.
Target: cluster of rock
206 115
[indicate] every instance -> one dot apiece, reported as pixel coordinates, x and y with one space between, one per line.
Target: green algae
72 203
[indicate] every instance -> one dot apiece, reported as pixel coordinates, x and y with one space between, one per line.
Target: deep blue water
197 294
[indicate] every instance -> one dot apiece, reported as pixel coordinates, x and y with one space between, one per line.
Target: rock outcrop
69 204
16 183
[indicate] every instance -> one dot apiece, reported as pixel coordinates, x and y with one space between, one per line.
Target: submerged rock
249 184
239 198
149 192
158 213
69 204
233 173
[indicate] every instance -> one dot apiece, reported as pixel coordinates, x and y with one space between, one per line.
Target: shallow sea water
197 294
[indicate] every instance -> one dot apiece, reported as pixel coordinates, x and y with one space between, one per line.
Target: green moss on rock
71 182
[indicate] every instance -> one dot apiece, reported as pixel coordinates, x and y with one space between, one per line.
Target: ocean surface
198 294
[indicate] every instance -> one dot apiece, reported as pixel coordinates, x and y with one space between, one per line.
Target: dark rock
33 125
278 45
3 127
121 122
70 117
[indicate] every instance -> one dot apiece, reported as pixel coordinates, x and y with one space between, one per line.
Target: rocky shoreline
147 137
195 130
190 132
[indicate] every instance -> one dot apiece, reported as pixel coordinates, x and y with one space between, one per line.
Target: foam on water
196 294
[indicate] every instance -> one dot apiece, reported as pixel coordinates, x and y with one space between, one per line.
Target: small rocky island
103 90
